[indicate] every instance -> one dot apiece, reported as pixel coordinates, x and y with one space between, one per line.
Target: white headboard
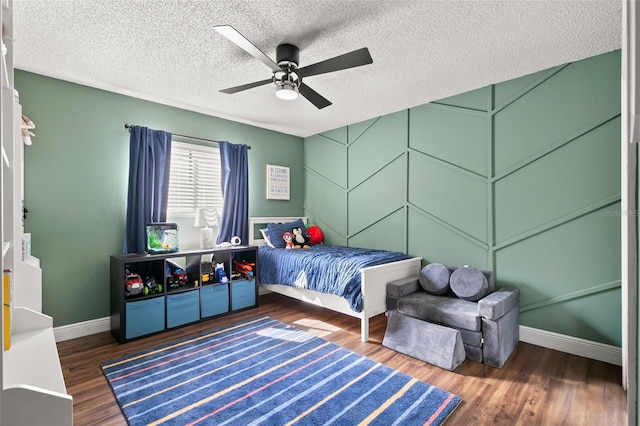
255 223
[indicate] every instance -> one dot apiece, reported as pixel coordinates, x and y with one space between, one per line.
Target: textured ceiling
167 51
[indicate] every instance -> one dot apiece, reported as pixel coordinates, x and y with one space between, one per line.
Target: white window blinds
194 179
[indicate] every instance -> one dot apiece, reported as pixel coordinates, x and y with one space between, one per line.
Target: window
194 179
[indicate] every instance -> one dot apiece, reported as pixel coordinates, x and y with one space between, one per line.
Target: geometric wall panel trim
331 235
389 233
436 243
508 91
327 158
602 324
355 130
578 259
523 200
327 201
475 99
390 185
383 140
338 135
452 195
573 98
574 295
557 144
455 135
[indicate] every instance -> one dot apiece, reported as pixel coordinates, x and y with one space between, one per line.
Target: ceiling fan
287 77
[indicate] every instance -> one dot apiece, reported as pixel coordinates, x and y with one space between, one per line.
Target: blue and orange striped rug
262 371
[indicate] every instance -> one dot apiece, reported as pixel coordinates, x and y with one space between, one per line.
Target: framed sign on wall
277 182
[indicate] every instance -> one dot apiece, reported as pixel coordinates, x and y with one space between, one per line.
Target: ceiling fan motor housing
287 53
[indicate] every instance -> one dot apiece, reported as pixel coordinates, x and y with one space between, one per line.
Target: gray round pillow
469 283
434 279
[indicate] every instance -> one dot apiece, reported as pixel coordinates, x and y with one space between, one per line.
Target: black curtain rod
128 126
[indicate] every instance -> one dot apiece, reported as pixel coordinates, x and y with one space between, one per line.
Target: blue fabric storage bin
243 294
214 300
183 308
144 317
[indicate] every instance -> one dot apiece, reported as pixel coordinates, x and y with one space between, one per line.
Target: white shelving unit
33 390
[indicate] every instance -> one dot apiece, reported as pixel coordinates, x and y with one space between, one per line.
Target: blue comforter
324 268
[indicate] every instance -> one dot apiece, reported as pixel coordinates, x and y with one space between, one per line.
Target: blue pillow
276 230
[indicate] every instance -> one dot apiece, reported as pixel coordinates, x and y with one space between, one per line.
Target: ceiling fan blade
246 86
234 36
348 60
312 96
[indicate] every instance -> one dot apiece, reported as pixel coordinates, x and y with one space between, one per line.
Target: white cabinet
32 388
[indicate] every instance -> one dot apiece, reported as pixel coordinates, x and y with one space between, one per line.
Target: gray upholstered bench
488 327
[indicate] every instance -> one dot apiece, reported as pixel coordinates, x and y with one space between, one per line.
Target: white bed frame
374 281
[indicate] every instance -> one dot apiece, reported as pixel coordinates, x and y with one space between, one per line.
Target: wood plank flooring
537 386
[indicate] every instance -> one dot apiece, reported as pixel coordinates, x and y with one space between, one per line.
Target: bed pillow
434 279
265 236
469 283
275 231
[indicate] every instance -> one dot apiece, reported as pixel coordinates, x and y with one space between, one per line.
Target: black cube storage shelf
151 293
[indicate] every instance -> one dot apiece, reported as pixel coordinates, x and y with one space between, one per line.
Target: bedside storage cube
183 308
144 317
243 294
214 300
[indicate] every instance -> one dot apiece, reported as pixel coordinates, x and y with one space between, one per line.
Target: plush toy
299 239
288 239
315 234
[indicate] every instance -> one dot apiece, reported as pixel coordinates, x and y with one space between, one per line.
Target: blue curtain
149 159
234 163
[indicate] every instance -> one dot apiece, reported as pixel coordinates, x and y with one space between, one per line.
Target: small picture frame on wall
277 182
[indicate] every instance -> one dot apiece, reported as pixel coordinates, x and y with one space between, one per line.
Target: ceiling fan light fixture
286 90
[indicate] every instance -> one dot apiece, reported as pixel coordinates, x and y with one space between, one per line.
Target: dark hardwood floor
537 386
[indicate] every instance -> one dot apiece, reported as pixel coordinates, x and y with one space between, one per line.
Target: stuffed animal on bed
299 239
315 234
288 239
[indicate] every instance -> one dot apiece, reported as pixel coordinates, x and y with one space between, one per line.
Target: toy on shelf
244 268
221 275
151 286
206 271
181 275
133 285
177 279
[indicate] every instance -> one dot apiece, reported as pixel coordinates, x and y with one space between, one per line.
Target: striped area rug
262 371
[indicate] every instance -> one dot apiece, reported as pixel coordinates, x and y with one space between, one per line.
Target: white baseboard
573 345
81 329
546 339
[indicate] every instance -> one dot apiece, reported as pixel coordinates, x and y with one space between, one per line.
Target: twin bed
351 281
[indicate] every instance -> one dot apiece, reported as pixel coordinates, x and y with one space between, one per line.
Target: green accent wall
76 175
521 177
